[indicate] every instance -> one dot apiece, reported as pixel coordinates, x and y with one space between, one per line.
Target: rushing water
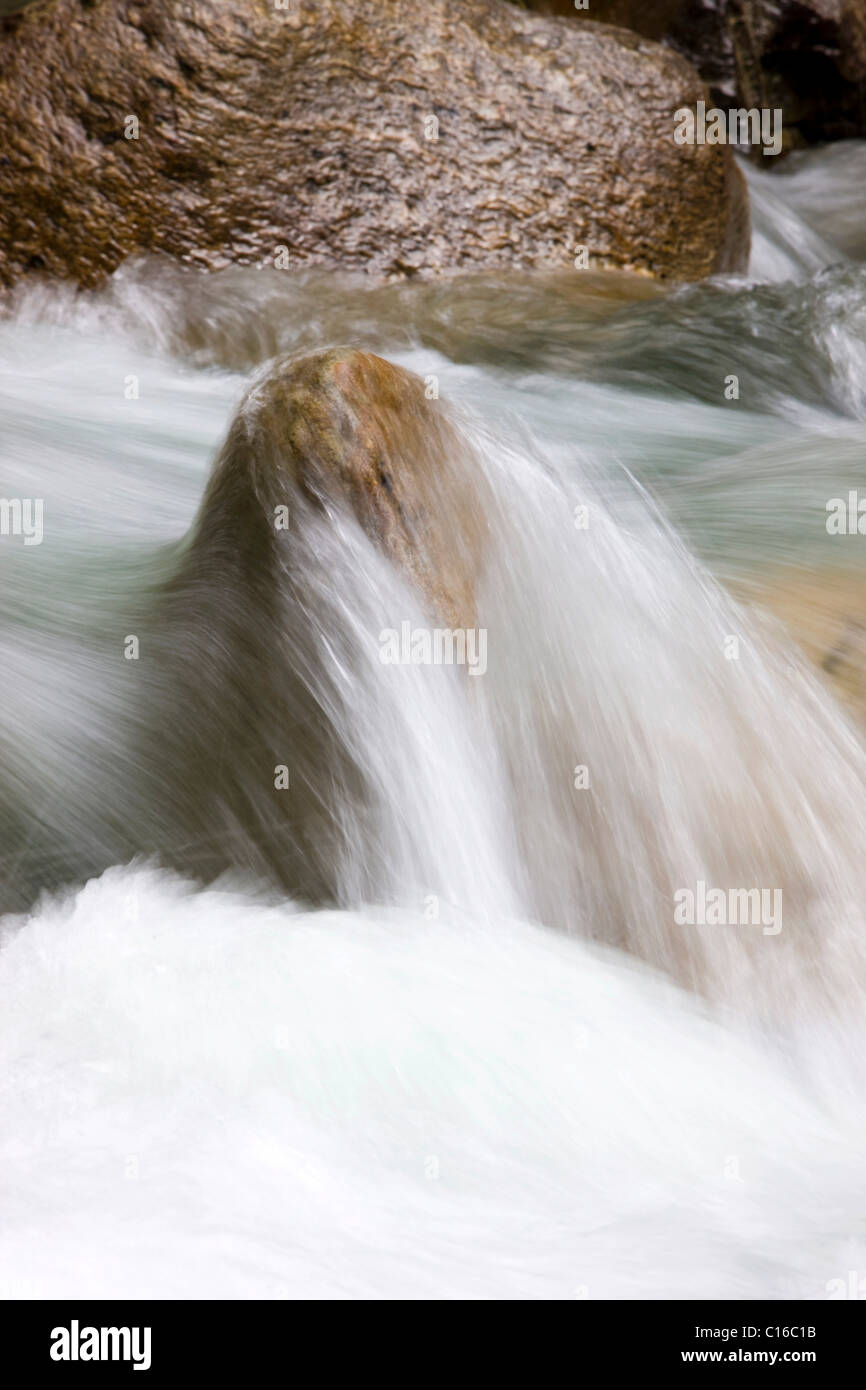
490 1063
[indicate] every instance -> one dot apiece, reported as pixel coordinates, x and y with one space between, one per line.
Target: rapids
489 1062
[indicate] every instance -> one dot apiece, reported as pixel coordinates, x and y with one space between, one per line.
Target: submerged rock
825 612
267 635
228 704
400 137
342 428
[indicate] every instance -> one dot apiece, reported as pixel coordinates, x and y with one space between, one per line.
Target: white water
210 1093
216 1098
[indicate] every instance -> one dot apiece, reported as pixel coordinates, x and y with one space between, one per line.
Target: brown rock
653 21
252 660
308 129
825 612
343 428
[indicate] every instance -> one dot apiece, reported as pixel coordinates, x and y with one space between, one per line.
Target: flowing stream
486 1059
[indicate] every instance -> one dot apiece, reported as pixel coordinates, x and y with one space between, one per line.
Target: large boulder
399 137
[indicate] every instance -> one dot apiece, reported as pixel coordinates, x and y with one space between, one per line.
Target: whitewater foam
214 1096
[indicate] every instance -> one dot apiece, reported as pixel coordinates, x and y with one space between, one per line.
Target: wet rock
825 612
254 661
399 137
342 428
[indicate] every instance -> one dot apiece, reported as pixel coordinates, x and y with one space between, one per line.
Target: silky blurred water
494 1065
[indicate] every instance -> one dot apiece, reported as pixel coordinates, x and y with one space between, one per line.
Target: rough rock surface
652 20
310 129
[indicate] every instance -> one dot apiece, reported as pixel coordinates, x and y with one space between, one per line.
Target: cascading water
479 1057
